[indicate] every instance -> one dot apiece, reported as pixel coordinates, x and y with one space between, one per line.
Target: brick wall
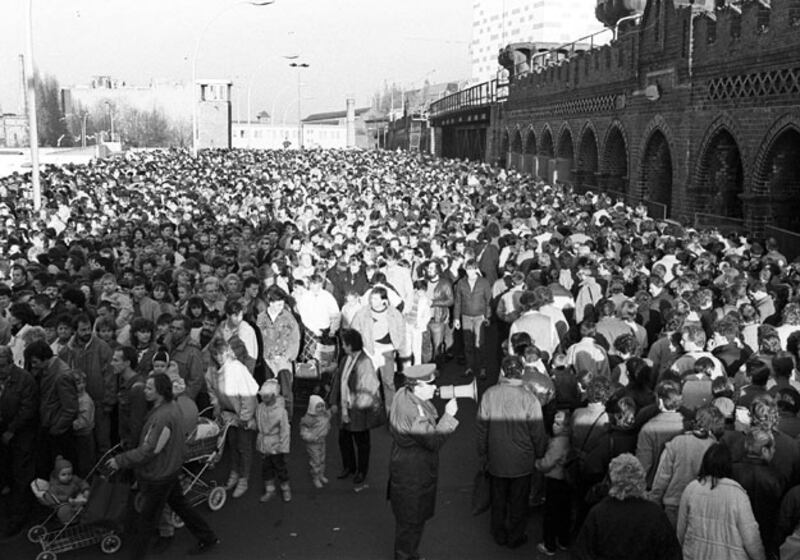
724 97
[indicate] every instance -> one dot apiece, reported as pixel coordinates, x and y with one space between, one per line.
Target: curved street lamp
299 66
256 4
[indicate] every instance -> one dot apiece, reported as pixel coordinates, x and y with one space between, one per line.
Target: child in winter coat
557 516
273 440
68 491
83 427
314 427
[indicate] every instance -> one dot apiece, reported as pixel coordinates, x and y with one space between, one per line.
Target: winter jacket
786 459
653 436
273 428
763 486
632 529
160 451
442 300
19 402
510 429
190 365
281 337
365 409
238 408
362 322
132 409
472 302
789 515
679 465
58 404
147 308
414 462
540 327
588 355
344 281
552 463
93 359
314 428
718 523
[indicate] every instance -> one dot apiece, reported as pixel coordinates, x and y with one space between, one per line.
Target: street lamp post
194 61
299 65
33 131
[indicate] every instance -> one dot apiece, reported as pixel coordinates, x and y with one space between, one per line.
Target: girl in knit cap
68 490
314 427
273 440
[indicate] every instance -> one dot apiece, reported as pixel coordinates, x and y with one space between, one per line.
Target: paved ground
336 523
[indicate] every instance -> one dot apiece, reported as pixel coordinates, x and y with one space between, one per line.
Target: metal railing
542 60
717 221
479 95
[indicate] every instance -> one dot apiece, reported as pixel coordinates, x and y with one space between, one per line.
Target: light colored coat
679 465
718 523
273 428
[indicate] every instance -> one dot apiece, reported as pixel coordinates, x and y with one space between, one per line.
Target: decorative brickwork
760 84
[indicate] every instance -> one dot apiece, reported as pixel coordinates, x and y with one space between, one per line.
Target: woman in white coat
715 518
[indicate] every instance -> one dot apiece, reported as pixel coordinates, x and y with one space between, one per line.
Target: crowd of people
647 395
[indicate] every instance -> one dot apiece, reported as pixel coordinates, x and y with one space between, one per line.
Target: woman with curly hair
625 525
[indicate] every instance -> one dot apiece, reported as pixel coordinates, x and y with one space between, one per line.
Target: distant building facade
13 131
264 136
549 23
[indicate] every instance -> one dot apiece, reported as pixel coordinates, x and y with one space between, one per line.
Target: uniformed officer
414 465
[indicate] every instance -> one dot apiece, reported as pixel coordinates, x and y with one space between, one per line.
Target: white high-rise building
496 23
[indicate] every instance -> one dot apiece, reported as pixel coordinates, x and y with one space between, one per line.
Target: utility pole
298 66
33 131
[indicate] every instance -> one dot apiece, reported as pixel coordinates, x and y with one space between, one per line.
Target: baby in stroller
67 492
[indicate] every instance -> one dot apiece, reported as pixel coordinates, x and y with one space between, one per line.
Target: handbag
307 370
481 492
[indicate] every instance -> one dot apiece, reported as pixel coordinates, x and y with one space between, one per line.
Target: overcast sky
351 45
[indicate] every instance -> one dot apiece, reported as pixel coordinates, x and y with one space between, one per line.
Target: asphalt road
338 523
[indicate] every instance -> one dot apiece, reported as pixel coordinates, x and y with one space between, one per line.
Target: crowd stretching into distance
644 392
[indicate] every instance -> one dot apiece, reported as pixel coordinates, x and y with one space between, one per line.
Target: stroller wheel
46 555
217 498
111 543
176 521
36 533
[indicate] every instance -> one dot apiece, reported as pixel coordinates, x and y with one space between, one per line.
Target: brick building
694 111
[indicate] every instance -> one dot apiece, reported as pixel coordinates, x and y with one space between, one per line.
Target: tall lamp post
195 131
299 65
33 131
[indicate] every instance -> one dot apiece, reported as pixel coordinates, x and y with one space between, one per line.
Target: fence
478 95
788 241
723 223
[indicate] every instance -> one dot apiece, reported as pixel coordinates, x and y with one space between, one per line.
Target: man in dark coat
19 404
414 463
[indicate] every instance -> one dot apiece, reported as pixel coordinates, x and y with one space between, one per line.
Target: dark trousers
274 466
355 448
85 451
474 333
509 507
49 446
154 496
557 519
17 468
407 537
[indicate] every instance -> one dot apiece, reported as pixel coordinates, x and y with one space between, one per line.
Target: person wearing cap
417 436
511 436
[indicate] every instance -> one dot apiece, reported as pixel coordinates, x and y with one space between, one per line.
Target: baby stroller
204 449
99 520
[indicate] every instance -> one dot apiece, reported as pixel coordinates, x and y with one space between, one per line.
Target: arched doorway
565 156
615 161
516 150
780 174
720 178
529 156
544 159
587 161
657 175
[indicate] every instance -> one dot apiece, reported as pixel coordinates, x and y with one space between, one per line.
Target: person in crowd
556 518
715 518
233 394
280 334
587 354
156 461
511 436
186 353
314 428
471 314
132 409
382 330
539 326
660 429
272 441
240 335
440 292
19 406
83 427
417 436
681 460
355 399
625 525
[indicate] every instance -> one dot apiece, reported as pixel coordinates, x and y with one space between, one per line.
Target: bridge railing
479 95
716 221
539 62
